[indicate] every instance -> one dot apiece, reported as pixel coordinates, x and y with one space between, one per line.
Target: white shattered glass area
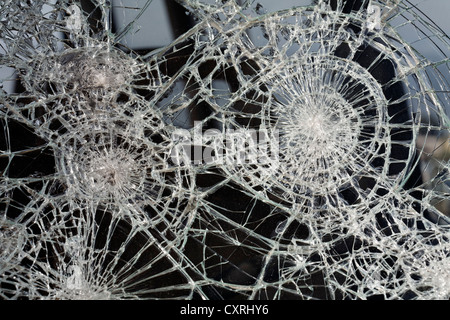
292 153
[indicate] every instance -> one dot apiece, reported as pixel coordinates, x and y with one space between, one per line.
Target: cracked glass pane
231 150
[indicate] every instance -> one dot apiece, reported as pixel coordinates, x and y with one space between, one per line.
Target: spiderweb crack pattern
302 153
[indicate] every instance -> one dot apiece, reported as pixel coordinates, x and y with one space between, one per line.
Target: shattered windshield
207 149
